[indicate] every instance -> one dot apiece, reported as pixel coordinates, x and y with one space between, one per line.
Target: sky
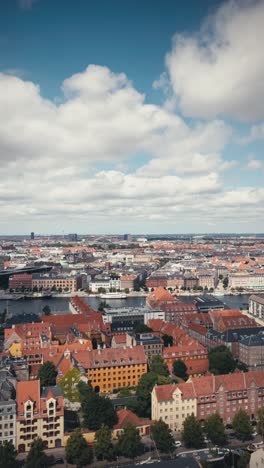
125 116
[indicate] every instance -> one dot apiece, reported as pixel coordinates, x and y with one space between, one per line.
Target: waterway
61 305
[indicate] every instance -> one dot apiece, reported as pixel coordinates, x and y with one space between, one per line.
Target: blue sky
124 116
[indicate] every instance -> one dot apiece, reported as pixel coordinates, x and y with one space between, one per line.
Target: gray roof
254 340
56 390
258 299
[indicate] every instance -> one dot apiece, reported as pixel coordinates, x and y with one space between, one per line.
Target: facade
39 414
251 351
194 355
7 408
153 345
230 319
204 396
125 319
111 368
104 283
256 306
128 282
175 312
20 281
59 282
246 280
207 280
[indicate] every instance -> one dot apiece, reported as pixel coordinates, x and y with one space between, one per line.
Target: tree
192 432
69 385
46 310
225 282
47 374
158 366
215 429
143 392
241 425
260 417
180 369
77 451
167 340
103 447
142 328
243 461
96 410
7 455
162 436
129 442
221 360
36 456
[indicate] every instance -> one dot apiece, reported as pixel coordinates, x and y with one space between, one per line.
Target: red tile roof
126 416
111 357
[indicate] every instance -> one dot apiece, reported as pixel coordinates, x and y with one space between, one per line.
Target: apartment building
246 280
111 368
7 408
251 351
153 345
39 414
105 284
206 395
63 283
256 306
128 282
20 281
194 355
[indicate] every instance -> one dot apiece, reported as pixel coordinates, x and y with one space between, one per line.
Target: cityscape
131 234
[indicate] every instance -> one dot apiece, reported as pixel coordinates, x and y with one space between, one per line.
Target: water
60 305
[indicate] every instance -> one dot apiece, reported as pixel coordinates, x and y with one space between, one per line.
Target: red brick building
20 281
195 357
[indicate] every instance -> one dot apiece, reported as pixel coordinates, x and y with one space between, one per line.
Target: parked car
177 443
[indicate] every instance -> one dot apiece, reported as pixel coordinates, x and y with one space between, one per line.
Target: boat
113 296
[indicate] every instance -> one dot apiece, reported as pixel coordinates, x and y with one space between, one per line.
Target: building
63 283
105 284
204 396
32 235
207 280
7 408
110 368
20 281
246 280
125 319
251 351
152 344
230 319
125 417
256 306
194 356
158 297
128 282
205 303
257 458
176 311
39 414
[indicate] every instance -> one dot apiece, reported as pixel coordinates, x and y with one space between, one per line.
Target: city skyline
125 118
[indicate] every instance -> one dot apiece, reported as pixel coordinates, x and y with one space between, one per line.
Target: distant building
20 281
32 235
125 319
68 283
127 237
206 302
246 280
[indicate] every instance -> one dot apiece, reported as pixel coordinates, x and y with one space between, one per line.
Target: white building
256 306
106 283
246 280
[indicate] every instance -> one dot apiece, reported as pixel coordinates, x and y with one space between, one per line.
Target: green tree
129 442
241 425
225 282
143 392
192 432
260 418
159 366
243 461
77 451
215 429
96 410
162 436
47 374
142 328
221 361
180 369
167 340
36 456
46 310
7 455
69 385
103 447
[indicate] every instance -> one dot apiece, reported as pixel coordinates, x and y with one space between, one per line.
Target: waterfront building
204 396
125 319
68 283
247 280
20 281
112 368
40 413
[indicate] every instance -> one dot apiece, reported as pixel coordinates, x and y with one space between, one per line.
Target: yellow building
111 368
173 404
39 414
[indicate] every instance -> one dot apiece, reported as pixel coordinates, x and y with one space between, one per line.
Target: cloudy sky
123 116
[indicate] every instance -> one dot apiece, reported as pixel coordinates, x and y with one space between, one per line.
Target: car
254 434
177 443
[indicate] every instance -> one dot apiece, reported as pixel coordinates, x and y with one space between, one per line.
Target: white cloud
254 164
59 161
26 4
220 70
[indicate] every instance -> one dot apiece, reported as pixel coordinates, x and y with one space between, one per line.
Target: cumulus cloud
60 160
220 70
